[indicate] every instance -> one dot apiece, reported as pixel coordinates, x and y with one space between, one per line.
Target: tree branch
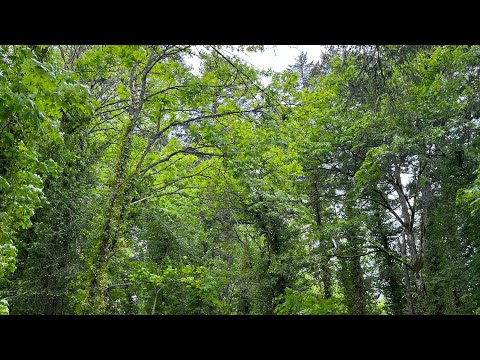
210 116
177 192
355 255
387 206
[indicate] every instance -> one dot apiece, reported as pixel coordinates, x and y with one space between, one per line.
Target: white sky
276 57
279 57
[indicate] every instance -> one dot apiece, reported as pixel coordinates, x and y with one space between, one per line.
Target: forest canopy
133 183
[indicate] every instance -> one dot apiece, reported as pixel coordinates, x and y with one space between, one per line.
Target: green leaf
3 307
4 185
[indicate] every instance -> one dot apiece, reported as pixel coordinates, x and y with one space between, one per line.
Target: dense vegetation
131 183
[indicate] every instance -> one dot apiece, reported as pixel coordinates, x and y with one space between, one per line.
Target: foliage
34 96
309 302
133 183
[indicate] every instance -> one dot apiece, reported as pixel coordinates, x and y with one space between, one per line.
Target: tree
36 96
134 183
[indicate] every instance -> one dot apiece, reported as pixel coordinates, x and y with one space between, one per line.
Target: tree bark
406 275
325 245
394 292
353 279
408 217
359 286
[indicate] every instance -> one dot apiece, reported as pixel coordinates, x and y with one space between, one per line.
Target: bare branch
354 255
387 206
187 150
177 192
210 116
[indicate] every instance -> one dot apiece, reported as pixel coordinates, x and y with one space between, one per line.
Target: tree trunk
325 244
326 275
108 238
406 278
389 272
359 287
352 272
408 218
